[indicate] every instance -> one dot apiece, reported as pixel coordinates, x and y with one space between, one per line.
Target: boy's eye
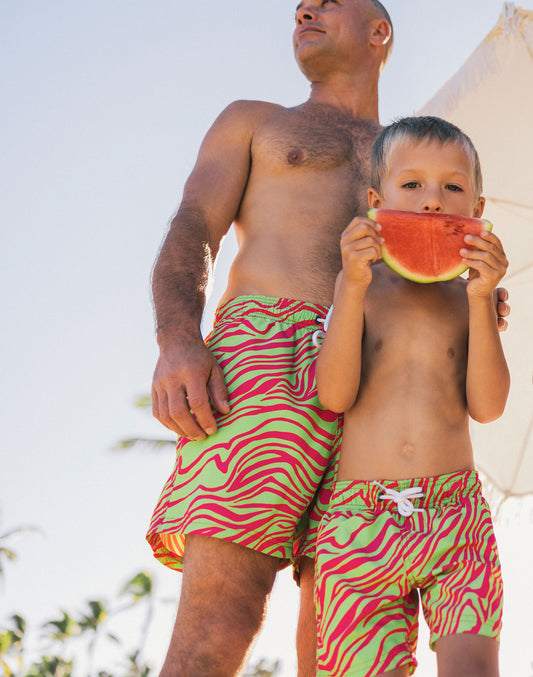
411 185
454 188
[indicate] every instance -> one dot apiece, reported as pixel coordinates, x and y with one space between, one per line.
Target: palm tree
156 444
51 666
140 588
11 644
6 538
261 669
62 628
92 621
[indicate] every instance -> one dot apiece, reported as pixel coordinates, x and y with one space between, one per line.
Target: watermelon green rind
432 227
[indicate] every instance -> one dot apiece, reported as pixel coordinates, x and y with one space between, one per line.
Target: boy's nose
432 204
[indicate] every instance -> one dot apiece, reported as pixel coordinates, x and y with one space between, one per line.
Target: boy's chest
410 319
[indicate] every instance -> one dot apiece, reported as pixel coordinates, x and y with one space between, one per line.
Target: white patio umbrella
491 99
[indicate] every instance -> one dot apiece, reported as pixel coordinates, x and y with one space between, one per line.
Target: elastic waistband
281 310
440 490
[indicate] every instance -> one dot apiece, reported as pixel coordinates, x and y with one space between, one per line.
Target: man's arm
487 376
187 376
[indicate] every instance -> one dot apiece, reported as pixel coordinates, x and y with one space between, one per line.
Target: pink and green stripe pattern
252 481
373 565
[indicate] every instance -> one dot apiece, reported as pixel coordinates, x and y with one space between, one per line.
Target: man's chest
293 140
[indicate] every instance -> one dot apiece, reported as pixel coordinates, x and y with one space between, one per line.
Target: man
290 180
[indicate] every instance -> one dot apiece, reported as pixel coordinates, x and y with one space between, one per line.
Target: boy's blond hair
418 129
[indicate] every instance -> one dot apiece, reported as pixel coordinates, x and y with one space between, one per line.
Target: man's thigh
222 604
218 573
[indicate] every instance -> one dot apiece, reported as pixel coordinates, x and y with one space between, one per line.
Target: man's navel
451 353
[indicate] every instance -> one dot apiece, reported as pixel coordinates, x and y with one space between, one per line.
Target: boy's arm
487 376
338 369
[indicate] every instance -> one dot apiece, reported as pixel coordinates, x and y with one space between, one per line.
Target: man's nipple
295 156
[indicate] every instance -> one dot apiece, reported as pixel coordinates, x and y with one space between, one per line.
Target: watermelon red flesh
424 247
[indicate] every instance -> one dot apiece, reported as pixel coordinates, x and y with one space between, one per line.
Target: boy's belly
402 439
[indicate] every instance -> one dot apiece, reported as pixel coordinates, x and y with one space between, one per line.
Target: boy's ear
374 199
478 209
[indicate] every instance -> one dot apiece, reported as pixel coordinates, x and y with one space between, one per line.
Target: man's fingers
161 412
502 294
155 404
218 390
180 417
200 406
502 324
503 309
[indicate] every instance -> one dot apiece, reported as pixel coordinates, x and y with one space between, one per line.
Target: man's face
429 177
337 28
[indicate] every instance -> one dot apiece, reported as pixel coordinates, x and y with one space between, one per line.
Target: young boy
408 363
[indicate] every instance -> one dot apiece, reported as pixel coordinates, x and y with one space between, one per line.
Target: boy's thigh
367 614
463 590
467 655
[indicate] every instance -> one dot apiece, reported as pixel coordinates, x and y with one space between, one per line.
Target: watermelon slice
424 247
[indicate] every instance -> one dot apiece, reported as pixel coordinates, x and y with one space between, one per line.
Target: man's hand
187 382
503 309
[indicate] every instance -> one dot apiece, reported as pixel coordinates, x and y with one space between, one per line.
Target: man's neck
355 98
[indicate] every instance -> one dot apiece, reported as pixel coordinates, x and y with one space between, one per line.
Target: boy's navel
451 353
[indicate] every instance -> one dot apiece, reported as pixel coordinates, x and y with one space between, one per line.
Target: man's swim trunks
254 479
374 560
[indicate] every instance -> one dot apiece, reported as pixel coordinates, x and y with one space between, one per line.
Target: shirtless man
290 180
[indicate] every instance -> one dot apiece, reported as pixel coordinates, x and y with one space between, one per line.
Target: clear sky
105 104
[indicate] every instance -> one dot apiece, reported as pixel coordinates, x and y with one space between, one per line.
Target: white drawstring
402 499
321 333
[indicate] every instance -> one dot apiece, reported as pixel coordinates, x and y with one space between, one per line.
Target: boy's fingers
488 257
359 228
489 243
362 243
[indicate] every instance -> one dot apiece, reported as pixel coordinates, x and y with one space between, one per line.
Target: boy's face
429 177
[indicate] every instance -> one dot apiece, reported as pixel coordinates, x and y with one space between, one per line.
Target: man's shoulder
251 110
240 119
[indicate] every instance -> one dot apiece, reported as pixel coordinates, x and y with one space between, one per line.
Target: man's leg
306 634
224 592
467 655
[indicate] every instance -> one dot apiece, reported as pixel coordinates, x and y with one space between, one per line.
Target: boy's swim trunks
253 480
373 563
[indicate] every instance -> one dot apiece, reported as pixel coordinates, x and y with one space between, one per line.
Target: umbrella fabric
491 99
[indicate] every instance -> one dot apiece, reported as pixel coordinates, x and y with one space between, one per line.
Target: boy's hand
360 246
487 262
